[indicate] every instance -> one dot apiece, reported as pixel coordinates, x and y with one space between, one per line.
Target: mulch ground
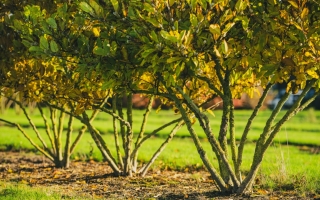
94 180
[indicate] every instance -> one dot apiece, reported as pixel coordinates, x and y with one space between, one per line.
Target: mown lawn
283 165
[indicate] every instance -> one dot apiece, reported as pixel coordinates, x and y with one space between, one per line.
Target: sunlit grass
14 191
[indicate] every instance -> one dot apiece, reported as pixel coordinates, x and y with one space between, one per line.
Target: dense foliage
186 52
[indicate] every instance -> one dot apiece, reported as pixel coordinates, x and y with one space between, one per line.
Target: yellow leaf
244 62
263 192
304 13
56 176
96 31
294 3
215 30
308 54
217 52
224 47
211 113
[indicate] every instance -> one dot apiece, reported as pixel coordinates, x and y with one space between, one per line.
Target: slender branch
129 136
43 151
218 71
100 144
59 133
271 119
31 123
214 174
162 147
82 130
205 124
227 103
126 123
153 133
53 113
248 127
142 129
269 133
67 150
122 125
64 110
211 85
233 136
291 112
78 138
48 131
224 125
115 131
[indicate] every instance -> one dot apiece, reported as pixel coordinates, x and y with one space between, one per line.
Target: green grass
283 164
17 191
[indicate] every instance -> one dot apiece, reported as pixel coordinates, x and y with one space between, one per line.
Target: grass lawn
14 191
283 165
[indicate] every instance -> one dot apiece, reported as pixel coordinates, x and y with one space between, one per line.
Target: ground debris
95 180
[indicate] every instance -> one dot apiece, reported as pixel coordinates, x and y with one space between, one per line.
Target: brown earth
94 180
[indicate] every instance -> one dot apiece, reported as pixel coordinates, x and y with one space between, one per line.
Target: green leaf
244 21
224 47
86 8
154 36
100 51
106 46
241 5
173 59
52 22
113 48
107 84
294 4
269 69
131 13
45 27
171 2
154 22
180 68
17 25
176 25
53 46
35 49
115 5
148 8
97 8
26 43
262 43
167 36
292 36
193 20
227 28
215 29
193 3
44 44
147 52
79 20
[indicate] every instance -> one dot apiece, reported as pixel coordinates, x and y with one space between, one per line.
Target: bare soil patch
94 180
